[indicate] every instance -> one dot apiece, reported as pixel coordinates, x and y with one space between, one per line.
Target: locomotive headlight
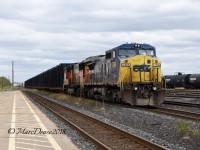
135 88
137 45
154 88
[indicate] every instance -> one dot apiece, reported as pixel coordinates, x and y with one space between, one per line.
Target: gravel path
157 128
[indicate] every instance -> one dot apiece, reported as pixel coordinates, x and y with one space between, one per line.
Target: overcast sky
40 34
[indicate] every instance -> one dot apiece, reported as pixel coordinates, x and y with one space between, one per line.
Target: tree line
4 82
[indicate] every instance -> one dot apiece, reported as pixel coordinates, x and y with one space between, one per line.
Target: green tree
4 82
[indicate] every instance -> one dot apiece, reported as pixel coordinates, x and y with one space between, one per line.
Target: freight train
129 73
51 79
187 81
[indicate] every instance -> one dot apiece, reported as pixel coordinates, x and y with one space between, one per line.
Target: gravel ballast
158 128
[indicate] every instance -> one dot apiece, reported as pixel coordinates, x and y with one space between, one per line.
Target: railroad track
183 93
177 113
182 104
104 136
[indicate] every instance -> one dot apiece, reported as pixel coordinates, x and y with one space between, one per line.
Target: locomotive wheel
78 92
118 99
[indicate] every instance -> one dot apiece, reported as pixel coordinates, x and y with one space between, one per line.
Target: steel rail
96 142
177 113
183 93
139 142
182 104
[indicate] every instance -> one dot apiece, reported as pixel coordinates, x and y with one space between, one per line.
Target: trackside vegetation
5 84
185 129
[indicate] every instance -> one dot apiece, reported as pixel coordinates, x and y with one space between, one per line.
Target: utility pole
2 82
12 75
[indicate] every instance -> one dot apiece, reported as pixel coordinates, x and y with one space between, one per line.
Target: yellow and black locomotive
129 73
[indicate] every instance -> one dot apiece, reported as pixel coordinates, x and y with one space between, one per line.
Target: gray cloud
40 34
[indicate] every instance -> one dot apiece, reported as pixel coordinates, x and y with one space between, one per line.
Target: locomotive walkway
23 126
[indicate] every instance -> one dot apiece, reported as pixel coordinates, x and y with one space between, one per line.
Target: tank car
194 81
169 79
175 81
129 73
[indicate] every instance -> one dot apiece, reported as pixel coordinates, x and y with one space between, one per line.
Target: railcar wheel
118 99
78 92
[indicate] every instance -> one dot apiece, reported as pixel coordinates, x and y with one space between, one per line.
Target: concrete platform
24 127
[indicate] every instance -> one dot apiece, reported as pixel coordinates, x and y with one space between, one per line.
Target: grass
42 92
6 89
114 110
196 132
77 100
183 127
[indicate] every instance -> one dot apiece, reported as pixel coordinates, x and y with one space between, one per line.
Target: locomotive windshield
146 52
130 52
127 53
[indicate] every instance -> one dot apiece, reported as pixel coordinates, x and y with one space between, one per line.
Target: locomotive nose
145 70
